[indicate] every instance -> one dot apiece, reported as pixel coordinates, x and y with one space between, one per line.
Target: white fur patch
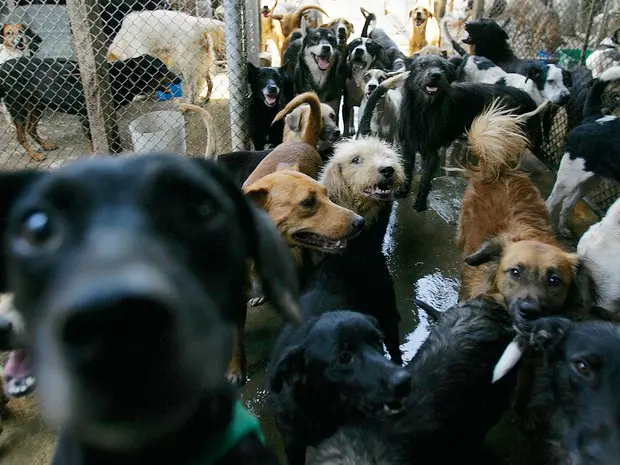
554 88
606 119
507 361
611 74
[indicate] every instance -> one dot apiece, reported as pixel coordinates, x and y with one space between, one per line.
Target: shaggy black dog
491 41
435 112
329 372
578 386
452 404
271 90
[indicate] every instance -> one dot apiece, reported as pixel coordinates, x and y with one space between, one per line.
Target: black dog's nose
326 49
371 87
435 75
272 89
358 223
400 383
564 99
337 133
387 171
528 309
114 322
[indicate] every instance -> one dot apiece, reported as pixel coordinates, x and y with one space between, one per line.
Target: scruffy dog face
371 80
419 16
363 175
534 279
430 75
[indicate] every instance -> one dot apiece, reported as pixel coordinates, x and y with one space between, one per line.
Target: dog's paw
236 377
38 157
19 387
48 146
257 301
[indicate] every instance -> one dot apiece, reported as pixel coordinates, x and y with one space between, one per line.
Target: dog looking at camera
385 117
343 29
18 40
425 29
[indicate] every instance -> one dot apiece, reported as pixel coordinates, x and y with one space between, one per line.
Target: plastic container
159 131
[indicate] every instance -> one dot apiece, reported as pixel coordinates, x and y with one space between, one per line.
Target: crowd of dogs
130 277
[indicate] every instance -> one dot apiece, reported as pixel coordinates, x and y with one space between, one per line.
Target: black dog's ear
533 73
354 43
2 33
582 292
548 332
567 78
12 184
290 370
490 251
35 38
251 71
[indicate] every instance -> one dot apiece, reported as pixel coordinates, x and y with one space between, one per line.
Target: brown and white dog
270 29
343 29
425 29
292 21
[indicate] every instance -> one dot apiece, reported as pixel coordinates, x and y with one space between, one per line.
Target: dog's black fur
291 54
240 164
30 85
578 387
113 12
131 272
429 122
452 404
271 90
491 41
331 90
395 59
330 372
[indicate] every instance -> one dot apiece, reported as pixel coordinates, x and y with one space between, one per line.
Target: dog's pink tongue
323 64
270 100
18 365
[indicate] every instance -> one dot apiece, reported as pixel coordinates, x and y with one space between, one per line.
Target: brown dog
507 241
302 151
425 29
343 29
292 21
270 29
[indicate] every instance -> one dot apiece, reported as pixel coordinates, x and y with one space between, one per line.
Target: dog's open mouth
358 66
19 45
18 374
319 242
419 21
393 407
271 99
322 61
382 191
432 89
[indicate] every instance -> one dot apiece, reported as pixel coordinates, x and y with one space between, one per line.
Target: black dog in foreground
452 404
130 273
330 372
31 85
435 111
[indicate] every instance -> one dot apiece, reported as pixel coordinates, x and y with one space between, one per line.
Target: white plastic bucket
159 131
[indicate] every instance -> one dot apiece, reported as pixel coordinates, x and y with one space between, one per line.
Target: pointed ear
258 193
490 251
267 249
291 369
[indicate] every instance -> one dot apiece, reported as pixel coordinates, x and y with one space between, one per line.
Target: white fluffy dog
363 175
600 247
184 43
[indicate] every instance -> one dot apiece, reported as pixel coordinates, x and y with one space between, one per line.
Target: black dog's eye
554 280
422 65
36 228
310 202
514 273
582 367
355 160
345 357
366 78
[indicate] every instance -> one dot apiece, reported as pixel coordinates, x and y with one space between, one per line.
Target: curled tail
445 33
207 119
378 93
313 126
496 142
371 18
296 18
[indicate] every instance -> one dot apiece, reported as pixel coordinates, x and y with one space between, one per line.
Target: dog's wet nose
400 383
371 87
528 309
387 171
272 89
358 223
337 133
326 49
435 76
114 320
564 98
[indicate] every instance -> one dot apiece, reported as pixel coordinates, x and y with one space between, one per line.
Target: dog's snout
337 133
528 309
400 383
387 171
326 49
372 87
358 52
564 98
114 320
358 223
435 75
272 89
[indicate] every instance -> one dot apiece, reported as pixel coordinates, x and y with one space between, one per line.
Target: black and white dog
435 111
362 54
540 81
396 60
319 68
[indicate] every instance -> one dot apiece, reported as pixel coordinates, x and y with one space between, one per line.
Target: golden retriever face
303 212
535 279
419 15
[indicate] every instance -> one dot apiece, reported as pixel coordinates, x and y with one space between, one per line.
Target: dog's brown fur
424 33
432 50
302 151
270 29
348 27
292 21
297 121
8 32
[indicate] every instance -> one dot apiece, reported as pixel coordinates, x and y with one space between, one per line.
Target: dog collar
242 424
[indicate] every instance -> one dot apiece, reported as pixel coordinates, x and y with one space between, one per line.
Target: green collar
241 425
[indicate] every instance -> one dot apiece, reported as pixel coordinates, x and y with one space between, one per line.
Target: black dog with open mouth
319 67
271 90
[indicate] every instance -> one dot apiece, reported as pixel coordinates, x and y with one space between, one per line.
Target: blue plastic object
174 90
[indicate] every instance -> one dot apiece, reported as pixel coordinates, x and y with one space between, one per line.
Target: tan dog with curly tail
292 21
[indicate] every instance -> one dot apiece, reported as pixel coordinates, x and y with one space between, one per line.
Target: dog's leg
238 365
568 204
430 163
32 124
20 128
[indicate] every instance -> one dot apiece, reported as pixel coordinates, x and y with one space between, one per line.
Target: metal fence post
236 59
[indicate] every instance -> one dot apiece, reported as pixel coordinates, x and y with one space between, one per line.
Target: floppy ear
533 73
12 185
267 249
35 38
582 293
548 332
411 13
490 251
331 178
257 193
290 370
251 70
567 78
293 121
351 27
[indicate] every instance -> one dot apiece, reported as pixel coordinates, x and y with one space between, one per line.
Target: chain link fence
571 33
93 76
